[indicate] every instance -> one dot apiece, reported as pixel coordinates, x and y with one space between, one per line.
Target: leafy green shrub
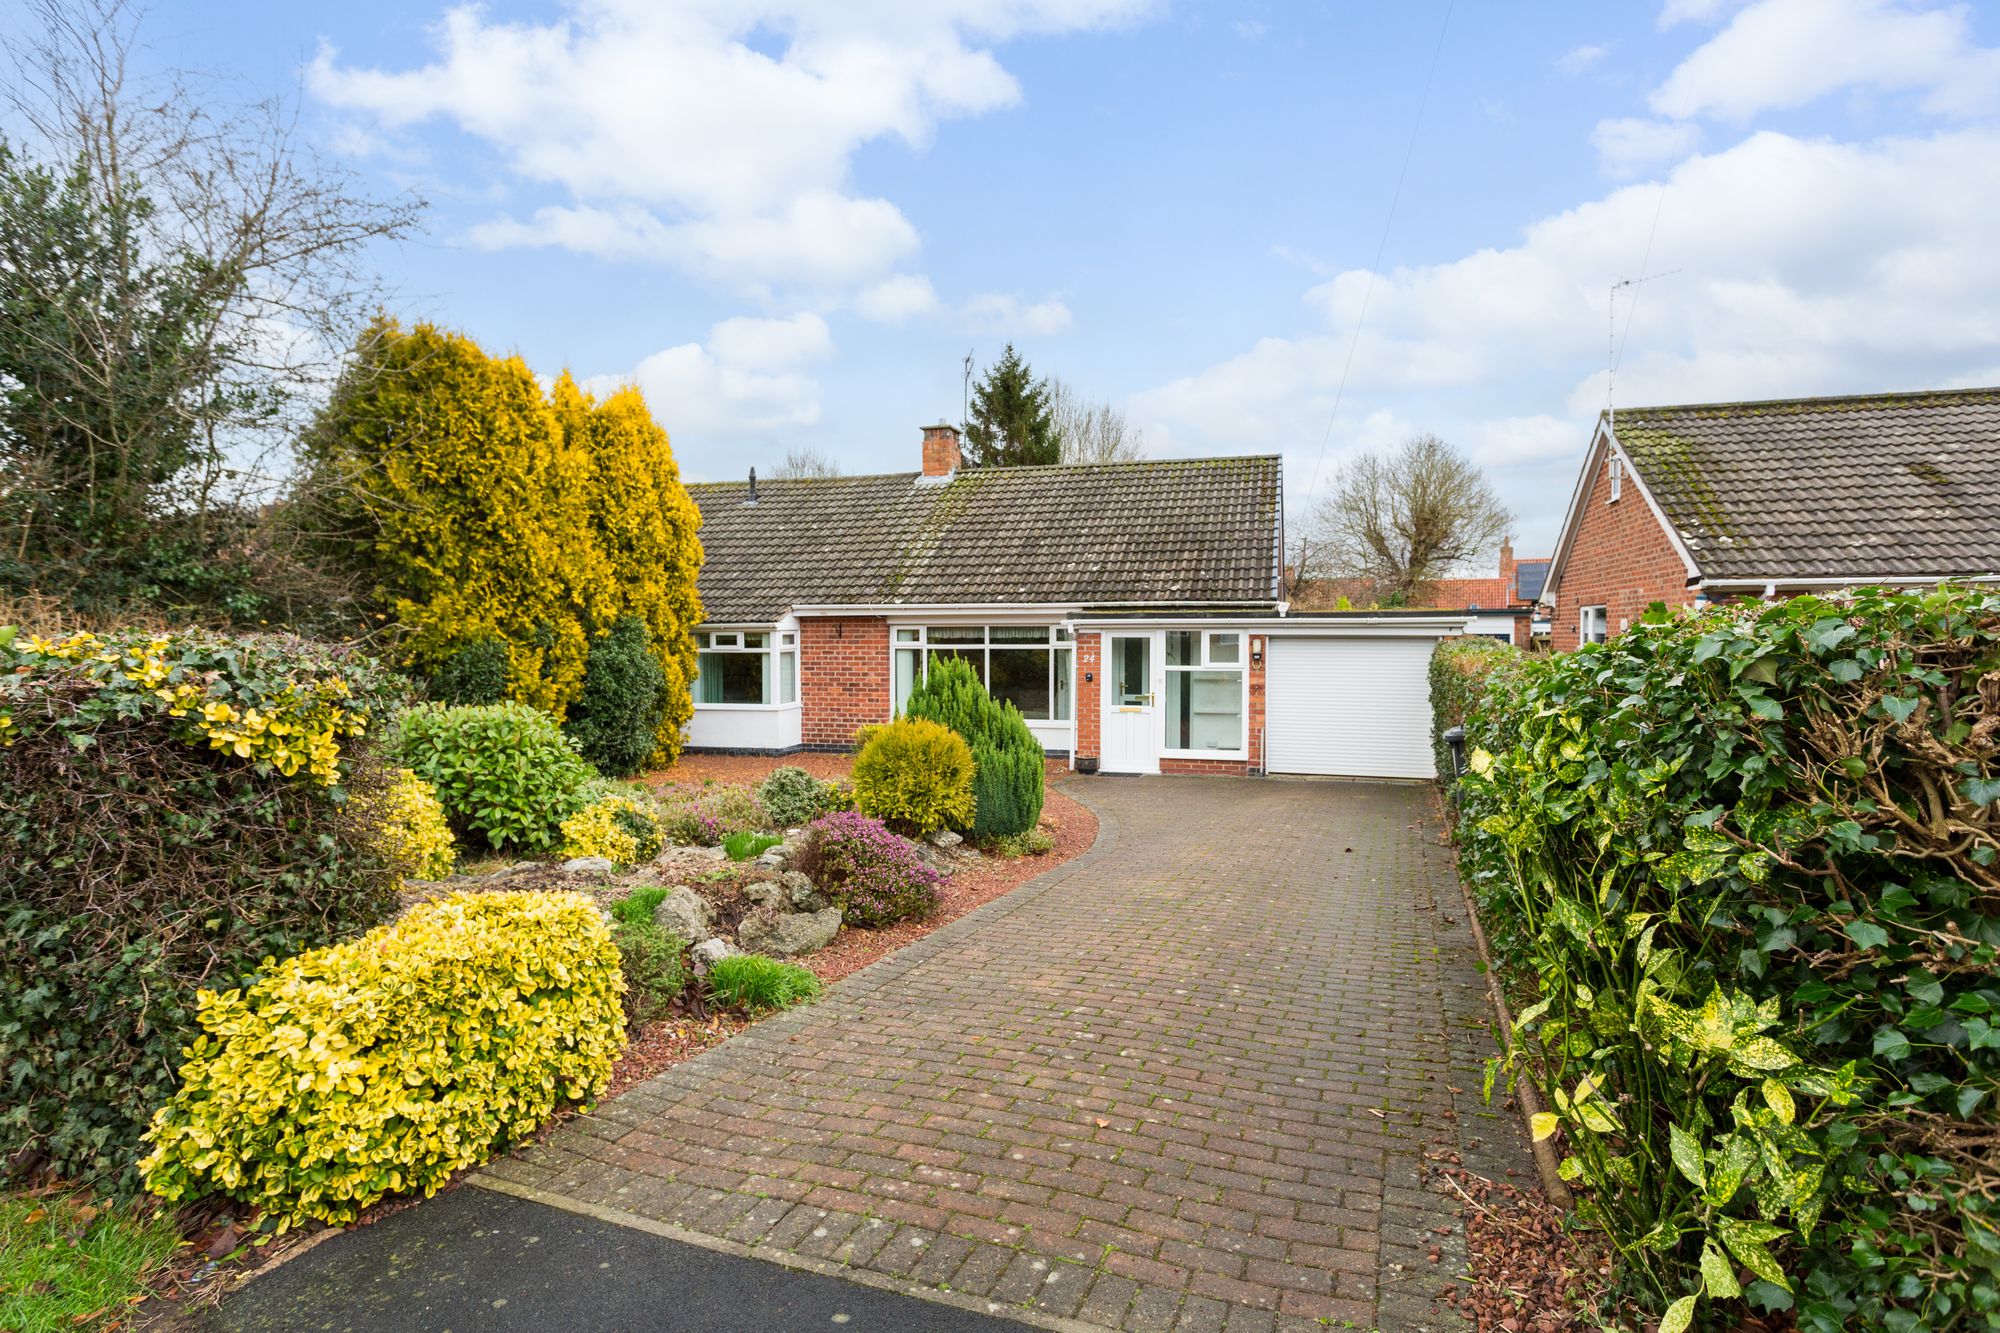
616 722
754 983
654 959
475 674
387 1063
873 876
1035 842
1458 672
1749 861
1007 760
614 827
504 772
744 844
158 836
793 797
916 776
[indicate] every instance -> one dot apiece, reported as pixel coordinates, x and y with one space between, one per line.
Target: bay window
1204 690
1028 666
747 667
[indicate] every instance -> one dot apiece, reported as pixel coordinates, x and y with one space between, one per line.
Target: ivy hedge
1742 867
173 812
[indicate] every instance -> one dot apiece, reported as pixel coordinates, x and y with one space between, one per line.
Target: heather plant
875 877
1744 865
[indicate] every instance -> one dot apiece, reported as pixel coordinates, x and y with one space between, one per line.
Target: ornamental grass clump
174 810
385 1064
875 877
1746 864
756 984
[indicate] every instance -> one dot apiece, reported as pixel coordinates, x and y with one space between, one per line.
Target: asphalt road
472 1261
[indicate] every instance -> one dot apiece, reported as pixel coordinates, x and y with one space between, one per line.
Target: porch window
746 667
1028 666
1204 690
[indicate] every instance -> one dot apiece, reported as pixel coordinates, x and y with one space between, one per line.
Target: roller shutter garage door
1351 707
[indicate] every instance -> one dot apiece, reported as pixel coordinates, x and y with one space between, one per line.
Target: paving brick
1140 1092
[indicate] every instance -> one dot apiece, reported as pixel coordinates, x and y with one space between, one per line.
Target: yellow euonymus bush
616 828
387 1063
409 825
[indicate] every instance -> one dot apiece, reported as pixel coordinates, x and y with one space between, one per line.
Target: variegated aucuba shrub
385 1064
1744 866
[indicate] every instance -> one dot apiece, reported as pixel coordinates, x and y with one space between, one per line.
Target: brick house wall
1090 701
844 679
1620 558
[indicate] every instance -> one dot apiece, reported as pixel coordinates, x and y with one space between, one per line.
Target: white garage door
1349 706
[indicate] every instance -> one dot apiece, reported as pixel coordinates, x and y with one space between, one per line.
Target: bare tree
1400 521
805 463
1091 432
182 277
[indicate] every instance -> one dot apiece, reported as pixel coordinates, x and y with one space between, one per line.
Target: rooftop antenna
1614 346
965 388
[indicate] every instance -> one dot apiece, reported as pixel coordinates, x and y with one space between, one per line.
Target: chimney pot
942 455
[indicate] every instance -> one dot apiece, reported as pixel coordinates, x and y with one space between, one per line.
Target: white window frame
1585 616
1059 639
1241 666
778 645
1617 479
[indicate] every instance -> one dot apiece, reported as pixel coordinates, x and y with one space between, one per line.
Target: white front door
1131 703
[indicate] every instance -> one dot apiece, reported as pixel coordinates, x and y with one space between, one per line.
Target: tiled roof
1883 485
1180 531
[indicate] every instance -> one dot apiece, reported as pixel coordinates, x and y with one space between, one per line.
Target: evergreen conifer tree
1012 422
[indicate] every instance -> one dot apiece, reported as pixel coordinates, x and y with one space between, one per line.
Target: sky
1314 229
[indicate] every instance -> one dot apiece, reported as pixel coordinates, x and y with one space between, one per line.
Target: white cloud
1786 53
745 379
1630 146
895 299
1579 59
999 313
1694 11
713 135
1805 266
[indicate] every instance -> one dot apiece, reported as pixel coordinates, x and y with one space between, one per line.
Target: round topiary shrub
873 876
916 776
504 772
617 721
1007 773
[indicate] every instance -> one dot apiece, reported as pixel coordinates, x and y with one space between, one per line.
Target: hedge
387 1063
1458 677
173 811
1745 864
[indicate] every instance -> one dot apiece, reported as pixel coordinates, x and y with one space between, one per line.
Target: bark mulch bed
751 769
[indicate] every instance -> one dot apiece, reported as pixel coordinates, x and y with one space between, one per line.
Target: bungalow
1715 501
1133 612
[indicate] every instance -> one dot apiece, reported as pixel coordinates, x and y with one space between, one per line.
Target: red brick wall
1620 559
1089 695
1090 698
844 677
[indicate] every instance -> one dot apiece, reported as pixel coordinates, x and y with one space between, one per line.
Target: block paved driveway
1187 1081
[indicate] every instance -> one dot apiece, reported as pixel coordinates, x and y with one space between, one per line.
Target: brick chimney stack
1508 568
941 451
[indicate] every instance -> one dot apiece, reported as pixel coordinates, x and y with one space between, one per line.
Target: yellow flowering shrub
616 828
409 825
385 1064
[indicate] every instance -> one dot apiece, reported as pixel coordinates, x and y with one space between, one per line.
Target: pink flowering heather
871 874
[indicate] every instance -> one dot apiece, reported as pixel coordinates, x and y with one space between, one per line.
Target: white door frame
1134 732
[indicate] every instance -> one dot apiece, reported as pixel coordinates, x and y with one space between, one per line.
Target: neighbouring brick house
1718 501
1502 606
1132 611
